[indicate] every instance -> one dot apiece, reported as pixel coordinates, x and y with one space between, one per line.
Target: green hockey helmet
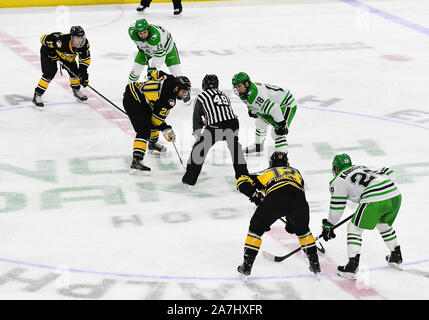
240 77
141 25
341 162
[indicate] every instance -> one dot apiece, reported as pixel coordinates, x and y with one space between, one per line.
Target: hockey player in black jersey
63 48
148 105
219 124
284 197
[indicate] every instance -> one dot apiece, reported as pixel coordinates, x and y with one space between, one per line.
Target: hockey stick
74 75
321 248
178 154
272 257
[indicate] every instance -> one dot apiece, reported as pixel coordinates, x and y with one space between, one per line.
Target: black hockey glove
257 198
251 114
327 230
281 129
289 227
83 77
150 70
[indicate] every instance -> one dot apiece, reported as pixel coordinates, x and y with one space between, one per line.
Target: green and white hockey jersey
158 44
360 185
271 103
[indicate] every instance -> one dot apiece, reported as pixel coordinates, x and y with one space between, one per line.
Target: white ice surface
361 69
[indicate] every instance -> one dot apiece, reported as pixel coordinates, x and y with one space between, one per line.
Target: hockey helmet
141 25
341 162
240 77
210 81
78 38
183 83
279 159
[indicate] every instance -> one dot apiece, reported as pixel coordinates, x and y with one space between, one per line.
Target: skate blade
136 172
317 276
37 108
157 153
395 266
243 277
347 275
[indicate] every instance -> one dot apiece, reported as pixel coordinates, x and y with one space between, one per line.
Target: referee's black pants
222 131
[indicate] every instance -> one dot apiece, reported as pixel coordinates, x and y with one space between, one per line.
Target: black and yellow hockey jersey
60 47
158 94
269 180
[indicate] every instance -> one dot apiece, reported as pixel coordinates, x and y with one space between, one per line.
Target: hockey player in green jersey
270 105
379 201
156 47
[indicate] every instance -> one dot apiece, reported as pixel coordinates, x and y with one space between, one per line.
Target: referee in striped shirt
213 121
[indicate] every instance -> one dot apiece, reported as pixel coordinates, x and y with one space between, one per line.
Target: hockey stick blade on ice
272 257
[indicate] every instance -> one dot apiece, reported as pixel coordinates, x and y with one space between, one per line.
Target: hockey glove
327 230
257 198
169 134
251 114
83 77
150 70
281 129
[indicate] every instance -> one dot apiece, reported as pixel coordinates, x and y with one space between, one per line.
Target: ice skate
156 148
314 265
395 258
255 149
244 271
177 11
37 102
350 269
141 8
138 168
79 95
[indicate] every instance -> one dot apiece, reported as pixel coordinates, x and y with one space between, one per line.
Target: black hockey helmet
279 159
78 38
210 81
77 31
183 83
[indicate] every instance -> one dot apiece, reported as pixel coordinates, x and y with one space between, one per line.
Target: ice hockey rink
74 224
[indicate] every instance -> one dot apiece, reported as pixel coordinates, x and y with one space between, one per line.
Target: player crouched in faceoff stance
63 48
148 105
284 197
379 201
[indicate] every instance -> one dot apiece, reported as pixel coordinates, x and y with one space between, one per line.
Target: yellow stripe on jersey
156 120
243 179
42 39
131 86
86 61
266 177
276 178
154 133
